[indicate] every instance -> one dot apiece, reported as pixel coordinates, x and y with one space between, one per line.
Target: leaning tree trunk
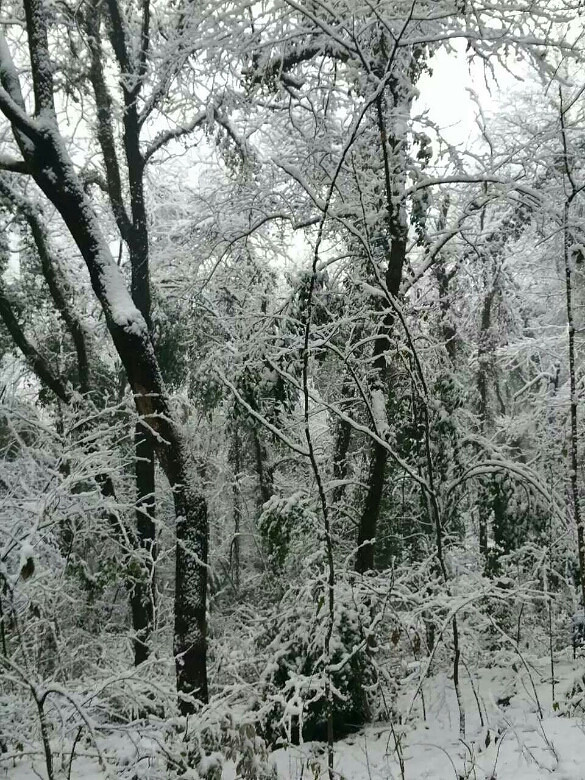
47 160
133 228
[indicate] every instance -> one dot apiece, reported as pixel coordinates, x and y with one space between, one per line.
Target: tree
45 158
369 64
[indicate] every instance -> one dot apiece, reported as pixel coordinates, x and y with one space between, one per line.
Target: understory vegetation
291 376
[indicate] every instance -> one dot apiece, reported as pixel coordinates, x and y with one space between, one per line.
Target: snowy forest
292 373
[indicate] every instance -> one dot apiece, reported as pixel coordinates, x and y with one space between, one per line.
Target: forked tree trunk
48 162
133 227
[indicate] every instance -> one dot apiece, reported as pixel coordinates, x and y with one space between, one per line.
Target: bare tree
45 158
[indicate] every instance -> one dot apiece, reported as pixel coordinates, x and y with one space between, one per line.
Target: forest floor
513 743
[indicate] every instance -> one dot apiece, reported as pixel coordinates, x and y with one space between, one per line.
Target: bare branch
167 136
12 165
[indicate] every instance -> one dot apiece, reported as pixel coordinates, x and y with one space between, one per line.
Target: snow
26 552
121 307
379 412
512 744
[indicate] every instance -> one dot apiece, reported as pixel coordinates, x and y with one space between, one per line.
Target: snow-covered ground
514 742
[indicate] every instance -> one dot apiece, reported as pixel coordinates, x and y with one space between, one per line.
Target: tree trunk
133 229
569 257
341 448
394 172
264 476
190 595
379 455
484 375
237 499
143 606
142 599
371 511
49 163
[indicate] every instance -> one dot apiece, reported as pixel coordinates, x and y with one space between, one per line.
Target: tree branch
36 361
12 165
51 276
105 134
166 136
41 67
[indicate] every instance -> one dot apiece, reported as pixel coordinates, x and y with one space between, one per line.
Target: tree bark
44 151
264 475
142 599
134 232
379 455
237 506
341 448
392 150
572 252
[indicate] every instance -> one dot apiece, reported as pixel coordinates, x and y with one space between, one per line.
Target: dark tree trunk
379 455
190 597
484 360
142 612
237 499
47 160
371 512
392 149
264 474
341 448
142 600
133 229
447 324
571 250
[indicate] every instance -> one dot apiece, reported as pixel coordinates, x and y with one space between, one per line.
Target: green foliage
217 737
281 521
516 517
293 681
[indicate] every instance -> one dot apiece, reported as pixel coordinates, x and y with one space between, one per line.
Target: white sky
447 95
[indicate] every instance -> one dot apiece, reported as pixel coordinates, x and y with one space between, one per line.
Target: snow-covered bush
281 521
200 747
293 690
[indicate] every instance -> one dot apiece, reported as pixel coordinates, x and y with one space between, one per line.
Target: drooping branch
37 362
54 283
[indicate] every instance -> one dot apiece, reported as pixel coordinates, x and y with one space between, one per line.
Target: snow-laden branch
259 417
